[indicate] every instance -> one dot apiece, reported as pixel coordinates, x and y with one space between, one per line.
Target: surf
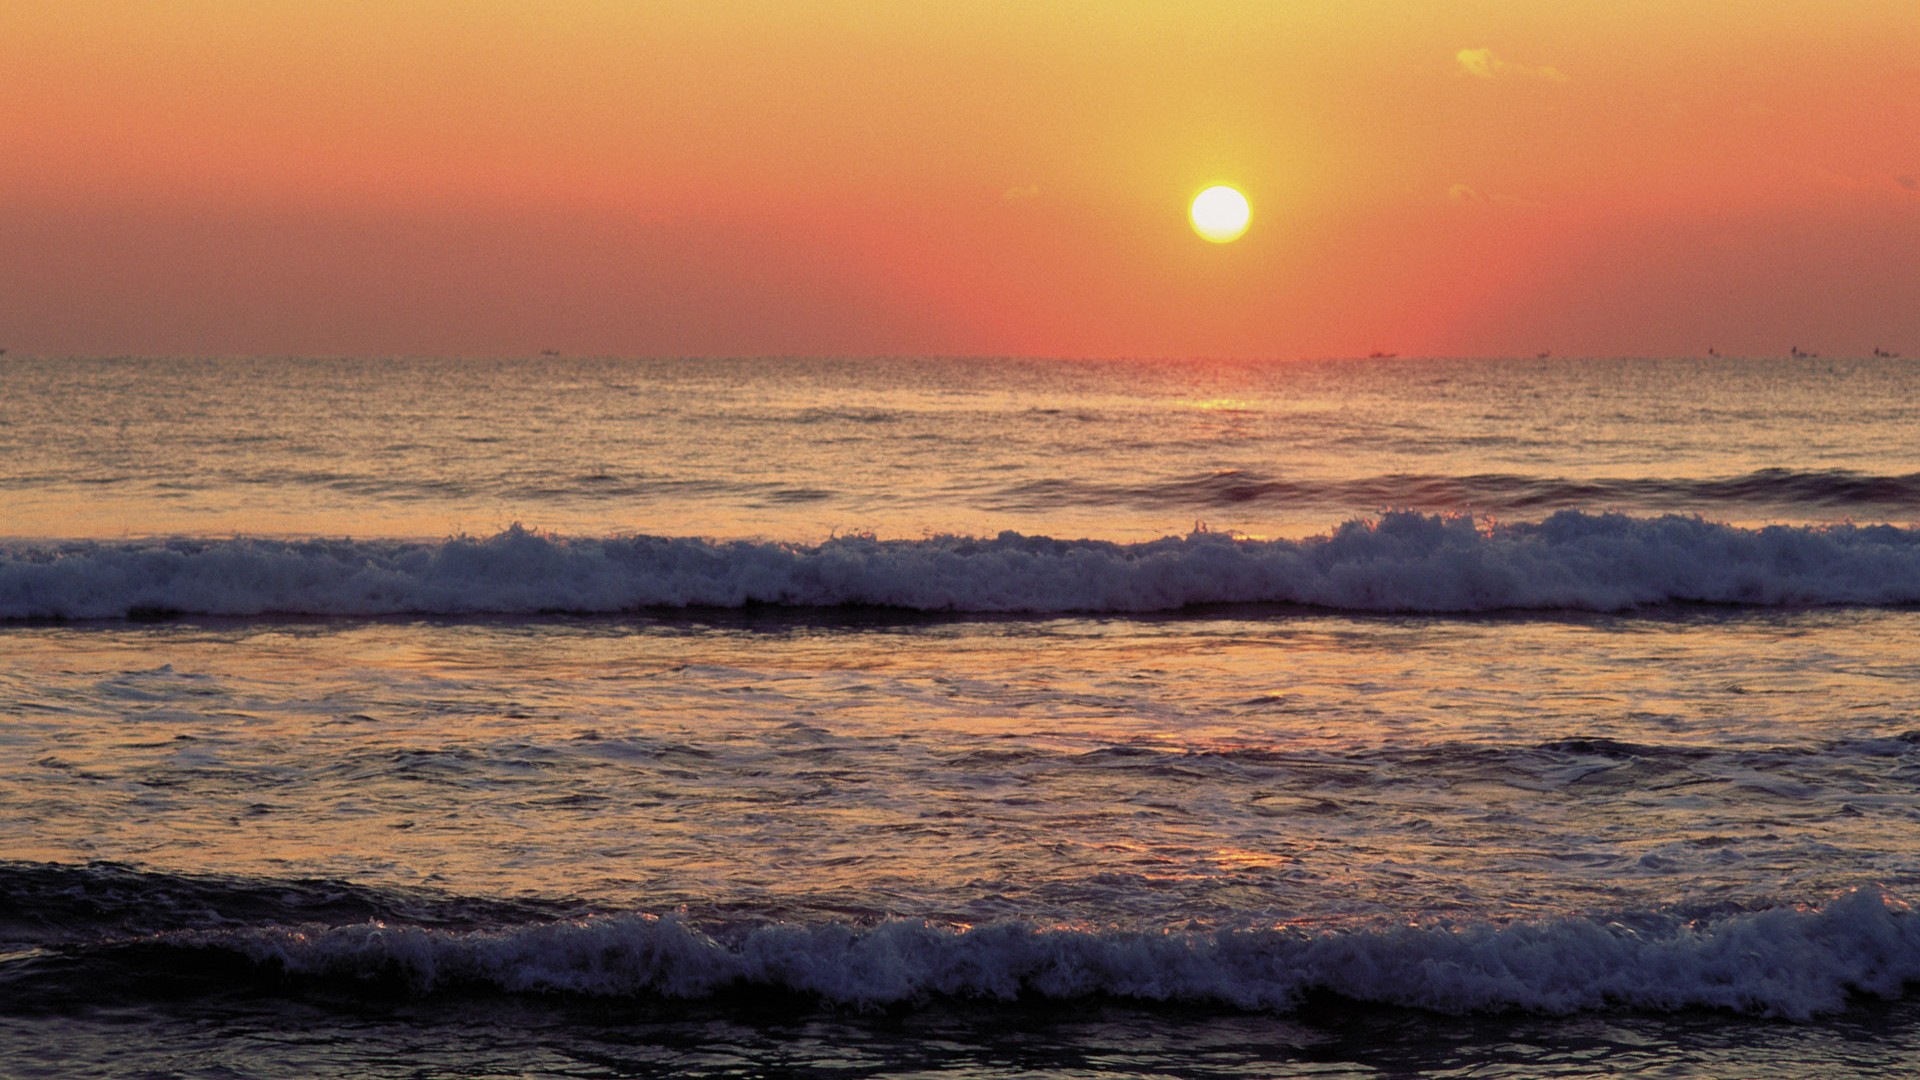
1403 562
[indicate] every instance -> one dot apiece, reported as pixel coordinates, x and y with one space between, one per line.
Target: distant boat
1711 351
1382 355
1542 355
1799 353
1883 354
549 352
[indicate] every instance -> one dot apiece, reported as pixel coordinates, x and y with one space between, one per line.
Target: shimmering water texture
797 450
1591 746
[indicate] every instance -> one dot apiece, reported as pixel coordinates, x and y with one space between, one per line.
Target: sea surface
564 717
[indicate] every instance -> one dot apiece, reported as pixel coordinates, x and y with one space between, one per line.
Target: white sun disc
1220 214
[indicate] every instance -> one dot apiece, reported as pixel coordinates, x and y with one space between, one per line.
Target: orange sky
502 176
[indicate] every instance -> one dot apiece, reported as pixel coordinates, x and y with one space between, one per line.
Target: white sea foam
1402 562
1784 962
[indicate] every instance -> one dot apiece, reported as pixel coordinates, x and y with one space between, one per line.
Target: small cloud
1482 64
1901 184
1476 62
1021 194
1464 193
1901 187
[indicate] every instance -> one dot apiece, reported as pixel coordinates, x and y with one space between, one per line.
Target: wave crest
1403 562
1785 962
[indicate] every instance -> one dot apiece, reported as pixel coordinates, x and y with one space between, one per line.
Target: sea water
980 717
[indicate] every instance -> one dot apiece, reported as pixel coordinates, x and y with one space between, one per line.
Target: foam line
1786 962
1404 562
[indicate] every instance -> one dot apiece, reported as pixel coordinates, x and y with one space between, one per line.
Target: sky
501 177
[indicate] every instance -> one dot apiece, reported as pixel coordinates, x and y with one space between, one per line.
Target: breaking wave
1403 562
1784 962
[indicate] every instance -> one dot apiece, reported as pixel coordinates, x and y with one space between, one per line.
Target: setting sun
1219 214
737 529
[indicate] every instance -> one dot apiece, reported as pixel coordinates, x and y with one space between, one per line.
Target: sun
1219 214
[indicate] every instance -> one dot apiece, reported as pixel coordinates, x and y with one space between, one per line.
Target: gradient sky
495 177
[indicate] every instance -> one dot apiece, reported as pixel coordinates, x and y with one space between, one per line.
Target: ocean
562 717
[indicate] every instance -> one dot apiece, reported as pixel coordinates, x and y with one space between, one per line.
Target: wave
1836 491
1803 494
45 904
1793 962
1403 562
